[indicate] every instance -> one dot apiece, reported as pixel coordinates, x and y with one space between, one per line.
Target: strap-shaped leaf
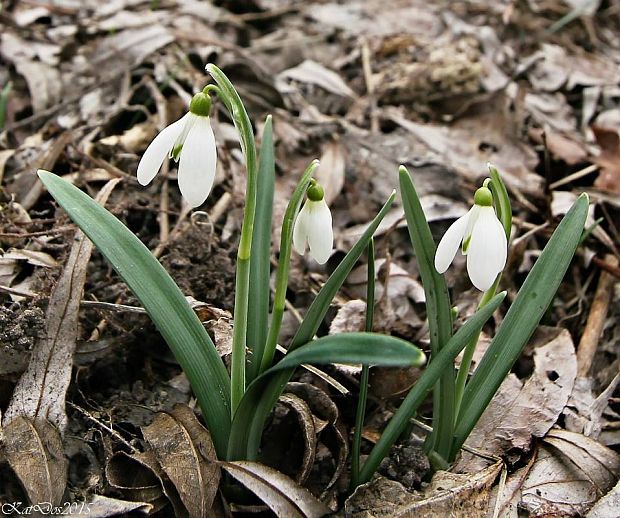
521 320
425 383
162 299
354 348
260 267
438 309
260 397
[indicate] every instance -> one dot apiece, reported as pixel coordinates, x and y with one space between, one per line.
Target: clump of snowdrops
236 404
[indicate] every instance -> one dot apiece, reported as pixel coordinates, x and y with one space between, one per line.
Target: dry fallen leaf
186 454
314 73
449 494
41 390
308 432
609 159
283 496
564 479
34 451
520 411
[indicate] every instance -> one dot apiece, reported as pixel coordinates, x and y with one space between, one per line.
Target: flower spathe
481 237
313 226
191 142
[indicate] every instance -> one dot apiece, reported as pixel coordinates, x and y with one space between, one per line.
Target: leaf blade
160 296
425 383
521 320
260 267
260 397
354 348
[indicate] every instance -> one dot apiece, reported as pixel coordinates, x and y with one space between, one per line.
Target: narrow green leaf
354 348
501 199
425 383
260 397
260 267
4 101
438 309
362 397
161 298
521 320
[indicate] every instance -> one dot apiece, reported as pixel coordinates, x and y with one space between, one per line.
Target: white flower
313 226
191 142
483 241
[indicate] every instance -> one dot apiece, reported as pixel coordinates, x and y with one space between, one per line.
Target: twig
575 176
596 319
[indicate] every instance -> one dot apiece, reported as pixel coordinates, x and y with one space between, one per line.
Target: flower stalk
240 118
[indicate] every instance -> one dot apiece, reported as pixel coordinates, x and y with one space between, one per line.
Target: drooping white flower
190 141
313 226
481 237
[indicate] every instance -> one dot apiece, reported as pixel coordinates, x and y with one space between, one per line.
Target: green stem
363 394
284 261
468 353
240 118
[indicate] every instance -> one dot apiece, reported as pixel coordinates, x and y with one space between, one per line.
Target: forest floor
532 87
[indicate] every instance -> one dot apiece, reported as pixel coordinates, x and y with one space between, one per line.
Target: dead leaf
186 454
41 390
370 18
34 451
283 496
471 142
308 432
560 480
520 411
331 171
33 257
314 73
609 159
103 507
334 436
449 494
584 412
607 507
136 477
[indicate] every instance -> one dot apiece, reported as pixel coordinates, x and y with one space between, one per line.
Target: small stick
596 319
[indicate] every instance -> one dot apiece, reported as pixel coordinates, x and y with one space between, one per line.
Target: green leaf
260 397
438 309
425 383
4 101
501 199
354 348
161 298
260 266
521 320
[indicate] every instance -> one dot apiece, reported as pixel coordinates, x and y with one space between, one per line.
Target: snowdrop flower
190 141
313 227
482 239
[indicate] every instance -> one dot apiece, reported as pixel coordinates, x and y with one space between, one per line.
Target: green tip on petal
315 192
483 197
200 105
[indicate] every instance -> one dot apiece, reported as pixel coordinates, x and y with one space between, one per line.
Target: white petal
450 242
158 151
487 250
474 213
320 232
197 163
300 232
